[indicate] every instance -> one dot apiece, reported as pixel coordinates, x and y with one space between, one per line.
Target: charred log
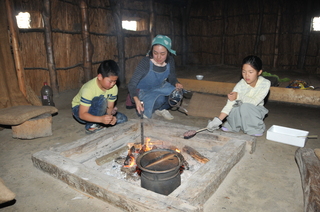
130 156
195 154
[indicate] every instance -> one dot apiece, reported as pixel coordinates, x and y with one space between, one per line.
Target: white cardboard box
287 135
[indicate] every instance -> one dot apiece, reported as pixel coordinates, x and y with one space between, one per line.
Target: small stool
36 127
27 121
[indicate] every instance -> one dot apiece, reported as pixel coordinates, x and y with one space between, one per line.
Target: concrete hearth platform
70 164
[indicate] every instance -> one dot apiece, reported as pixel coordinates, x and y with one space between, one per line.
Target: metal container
163 177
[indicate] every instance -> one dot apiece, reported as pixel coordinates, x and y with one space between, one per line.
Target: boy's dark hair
108 68
151 54
253 61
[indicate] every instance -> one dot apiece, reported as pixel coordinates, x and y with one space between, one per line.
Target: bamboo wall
67 40
237 22
217 32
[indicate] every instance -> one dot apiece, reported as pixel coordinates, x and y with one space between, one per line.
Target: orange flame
148 144
178 150
132 163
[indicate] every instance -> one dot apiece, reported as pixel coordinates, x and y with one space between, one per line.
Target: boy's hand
109 119
113 121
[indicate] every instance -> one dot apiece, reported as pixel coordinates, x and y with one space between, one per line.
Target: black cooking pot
160 170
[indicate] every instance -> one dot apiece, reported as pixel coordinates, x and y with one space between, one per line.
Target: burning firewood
130 156
185 164
137 146
143 149
195 154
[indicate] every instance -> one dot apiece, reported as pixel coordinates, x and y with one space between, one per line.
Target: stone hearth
75 164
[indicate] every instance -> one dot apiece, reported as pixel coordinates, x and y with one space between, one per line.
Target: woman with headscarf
154 79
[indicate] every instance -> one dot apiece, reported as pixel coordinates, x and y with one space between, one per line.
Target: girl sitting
245 107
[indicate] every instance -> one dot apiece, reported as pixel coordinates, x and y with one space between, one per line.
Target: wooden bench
28 121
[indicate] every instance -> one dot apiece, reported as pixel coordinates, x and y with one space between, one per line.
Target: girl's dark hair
108 68
253 61
151 53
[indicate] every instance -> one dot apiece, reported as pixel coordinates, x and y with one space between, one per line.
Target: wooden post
87 45
16 50
172 24
185 18
116 10
49 46
152 21
225 26
258 34
305 36
276 40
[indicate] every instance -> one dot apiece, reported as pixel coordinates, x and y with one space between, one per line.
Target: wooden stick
161 160
201 130
309 136
16 49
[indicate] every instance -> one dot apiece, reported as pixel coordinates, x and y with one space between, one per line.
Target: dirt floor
267 180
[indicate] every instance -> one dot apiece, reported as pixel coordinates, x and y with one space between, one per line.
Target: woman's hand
139 104
179 86
232 96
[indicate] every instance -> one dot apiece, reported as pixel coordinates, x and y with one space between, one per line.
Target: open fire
136 149
158 164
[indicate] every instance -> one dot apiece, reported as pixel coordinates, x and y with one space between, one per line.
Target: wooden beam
305 35
276 40
117 15
258 34
16 49
172 24
225 26
152 26
87 45
185 18
46 14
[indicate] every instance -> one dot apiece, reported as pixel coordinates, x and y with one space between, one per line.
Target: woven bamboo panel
216 32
